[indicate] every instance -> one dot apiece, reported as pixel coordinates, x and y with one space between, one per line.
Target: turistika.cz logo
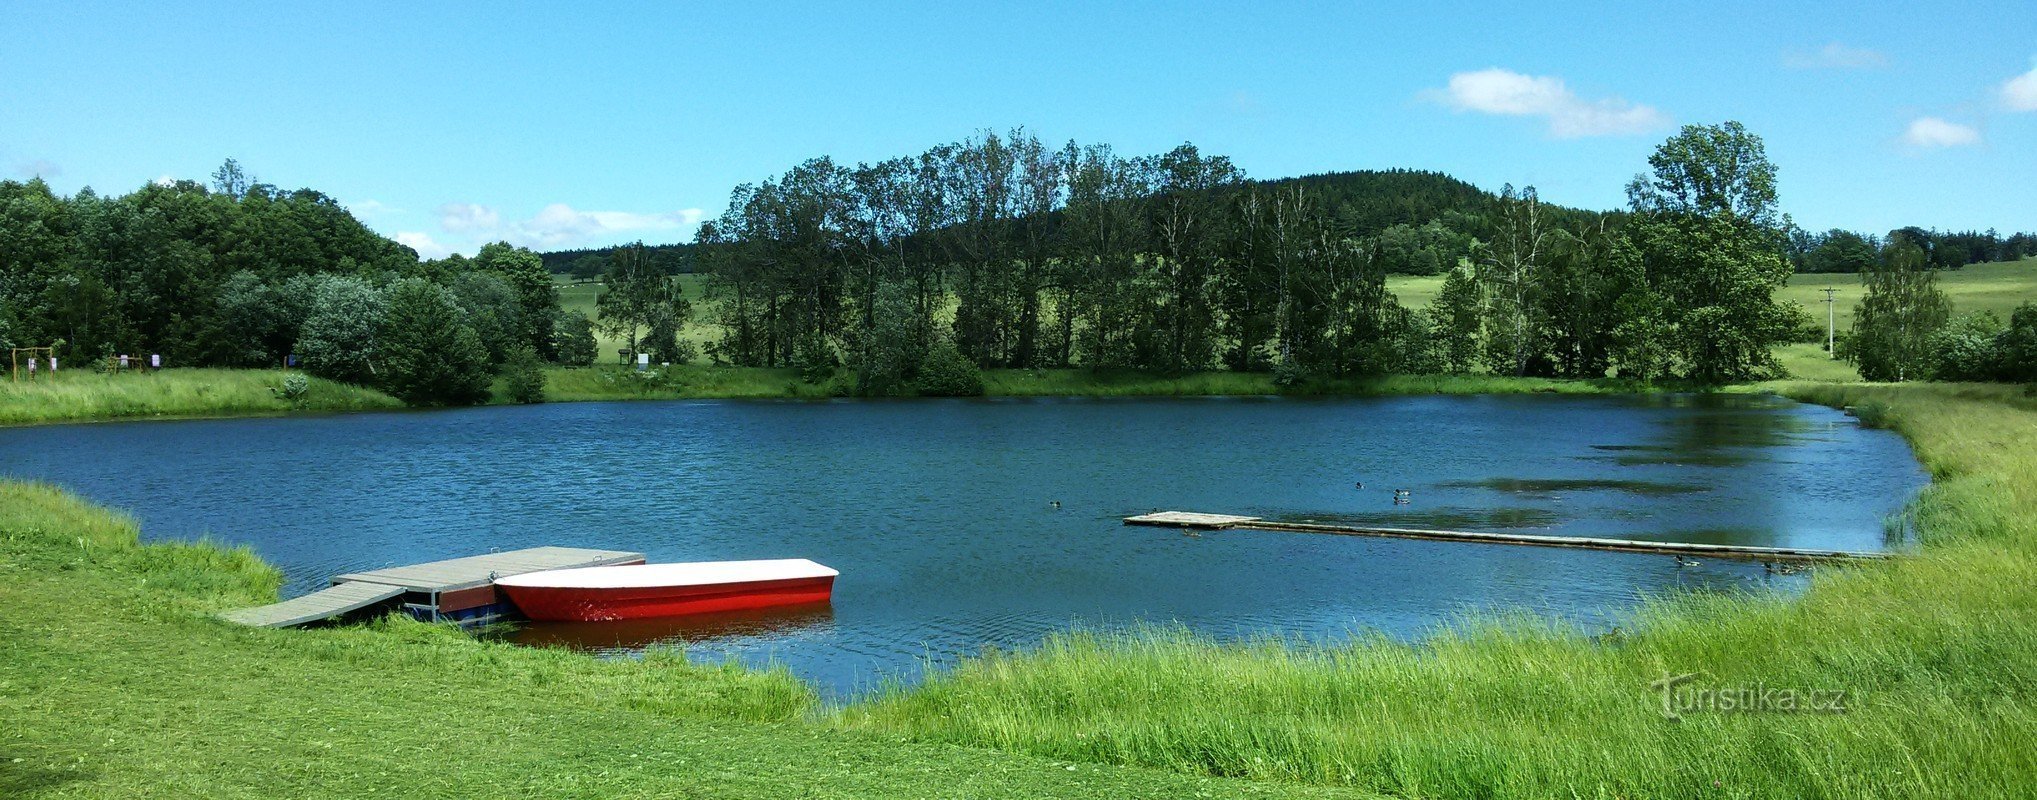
1681 695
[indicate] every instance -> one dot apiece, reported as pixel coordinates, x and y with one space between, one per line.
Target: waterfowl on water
1684 562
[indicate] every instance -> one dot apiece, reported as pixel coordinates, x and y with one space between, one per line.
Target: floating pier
1218 522
458 589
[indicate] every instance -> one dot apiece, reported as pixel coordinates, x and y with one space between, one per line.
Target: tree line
239 273
1006 252
1839 250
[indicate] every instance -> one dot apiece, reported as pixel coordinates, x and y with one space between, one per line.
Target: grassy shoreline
114 681
216 393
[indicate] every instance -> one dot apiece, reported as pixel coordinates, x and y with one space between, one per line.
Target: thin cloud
1507 93
1835 56
559 225
370 209
1933 133
468 218
39 168
2020 92
422 242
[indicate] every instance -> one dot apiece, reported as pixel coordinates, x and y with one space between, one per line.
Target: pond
941 514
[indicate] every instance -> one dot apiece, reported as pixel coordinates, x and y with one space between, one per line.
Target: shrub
525 374
294 387
1965 350
947 373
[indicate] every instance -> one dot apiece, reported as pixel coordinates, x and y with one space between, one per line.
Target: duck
1685 562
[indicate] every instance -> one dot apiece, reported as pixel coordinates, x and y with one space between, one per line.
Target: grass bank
78 395
1934 653
116 682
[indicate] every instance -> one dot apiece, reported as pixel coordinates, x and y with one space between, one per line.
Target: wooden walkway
320 605
457 588
1186 519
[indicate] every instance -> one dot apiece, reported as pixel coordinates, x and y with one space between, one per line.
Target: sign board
155 361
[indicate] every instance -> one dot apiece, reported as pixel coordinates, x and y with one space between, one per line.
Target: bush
1965 350
430 355
947 373
294 387
525 374
2017 346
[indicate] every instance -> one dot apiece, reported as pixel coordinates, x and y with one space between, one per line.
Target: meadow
116 681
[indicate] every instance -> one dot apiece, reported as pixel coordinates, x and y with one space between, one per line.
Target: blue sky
555 126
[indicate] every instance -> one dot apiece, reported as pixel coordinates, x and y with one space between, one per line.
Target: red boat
636 591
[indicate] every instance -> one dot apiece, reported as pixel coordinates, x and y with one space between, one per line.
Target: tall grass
75 395
1937 649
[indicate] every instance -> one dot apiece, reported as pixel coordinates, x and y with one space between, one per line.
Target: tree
341 337
524 375
573 339
524 271
1457 317
230 180
641 298
430 355
496 312
2017 346
1711 246
1512 270
1895 321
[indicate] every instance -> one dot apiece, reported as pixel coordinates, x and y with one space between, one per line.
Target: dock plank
1190 519
320 605
1186 519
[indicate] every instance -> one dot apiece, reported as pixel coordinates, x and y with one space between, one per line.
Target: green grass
1998 287
1938 648
580 297
76 395
115 682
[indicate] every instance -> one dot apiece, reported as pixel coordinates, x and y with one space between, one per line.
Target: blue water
938 513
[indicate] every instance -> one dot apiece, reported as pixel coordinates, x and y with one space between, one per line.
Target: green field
114 681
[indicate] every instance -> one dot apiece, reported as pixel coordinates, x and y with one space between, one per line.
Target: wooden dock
1196 521
458 589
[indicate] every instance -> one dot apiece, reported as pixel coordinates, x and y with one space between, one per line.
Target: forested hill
1369 201
1365 203
590 262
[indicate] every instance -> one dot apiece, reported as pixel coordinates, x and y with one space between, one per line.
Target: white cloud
422 242
1509 93
467 217
2020 92
1932 132
559 225
165 179
1835 56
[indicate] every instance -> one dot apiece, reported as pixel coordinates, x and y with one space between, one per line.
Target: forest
908 275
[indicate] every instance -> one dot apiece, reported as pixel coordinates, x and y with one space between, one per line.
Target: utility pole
1831 323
